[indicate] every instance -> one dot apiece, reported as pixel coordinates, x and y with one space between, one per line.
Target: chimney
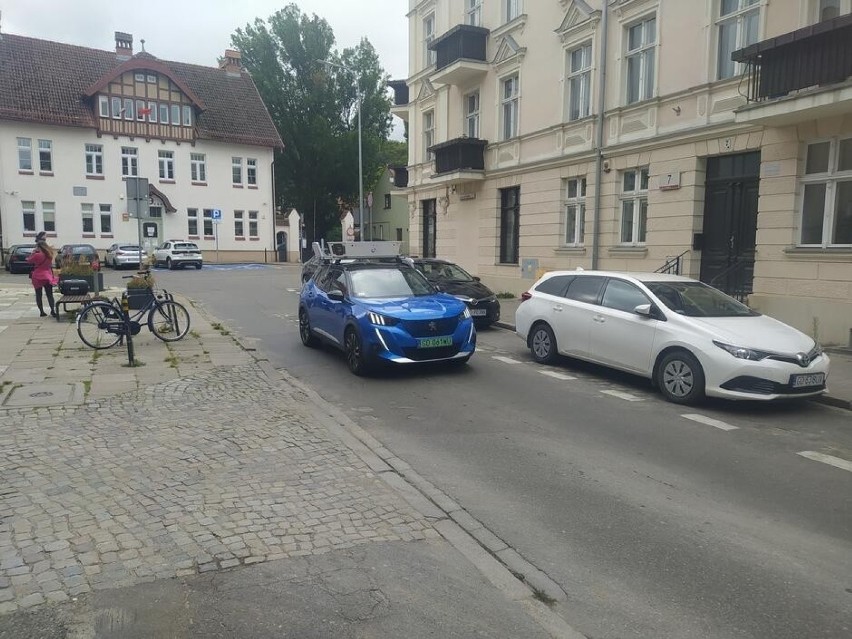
232 62
123 45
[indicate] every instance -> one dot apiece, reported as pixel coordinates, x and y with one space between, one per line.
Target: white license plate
479 312
804 381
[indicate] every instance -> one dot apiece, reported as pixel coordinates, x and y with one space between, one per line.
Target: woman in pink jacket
42 275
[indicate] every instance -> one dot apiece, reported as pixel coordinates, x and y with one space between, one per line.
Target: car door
324 312
575 314
618 336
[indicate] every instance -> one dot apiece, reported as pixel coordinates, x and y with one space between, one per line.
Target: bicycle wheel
169 321
93 322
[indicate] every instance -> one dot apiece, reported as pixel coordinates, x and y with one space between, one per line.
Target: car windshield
696 299
24 250
82 250
437 271
389 282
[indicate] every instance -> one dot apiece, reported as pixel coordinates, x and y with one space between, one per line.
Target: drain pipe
596 225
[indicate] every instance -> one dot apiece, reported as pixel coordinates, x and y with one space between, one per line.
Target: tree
314 107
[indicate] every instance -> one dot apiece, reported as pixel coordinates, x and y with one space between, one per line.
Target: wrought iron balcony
462 158
460 55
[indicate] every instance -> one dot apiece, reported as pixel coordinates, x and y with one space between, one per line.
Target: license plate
803 381
434 342
479 312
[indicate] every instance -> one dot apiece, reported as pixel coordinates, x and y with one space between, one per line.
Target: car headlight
464 298
491 298
465 314
382 320
742 353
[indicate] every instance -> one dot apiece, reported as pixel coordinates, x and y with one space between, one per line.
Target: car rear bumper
125 260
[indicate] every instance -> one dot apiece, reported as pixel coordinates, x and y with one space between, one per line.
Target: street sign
216 215
137 196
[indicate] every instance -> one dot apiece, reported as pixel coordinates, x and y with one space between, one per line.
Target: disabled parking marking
506 360
556 375
715 423
622 395
831 460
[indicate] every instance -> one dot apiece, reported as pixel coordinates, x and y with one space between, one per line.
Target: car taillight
525 296
96 265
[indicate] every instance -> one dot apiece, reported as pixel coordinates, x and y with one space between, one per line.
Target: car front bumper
396 346
484 312
765 380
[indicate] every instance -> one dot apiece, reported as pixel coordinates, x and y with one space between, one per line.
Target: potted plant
139 291
81 269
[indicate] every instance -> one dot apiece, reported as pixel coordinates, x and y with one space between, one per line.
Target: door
573 318
730 222
430 233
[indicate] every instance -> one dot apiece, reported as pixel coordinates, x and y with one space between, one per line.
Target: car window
585 289
333 279
696 299
389 282
555 285
623 296
186 246
436 271
128 247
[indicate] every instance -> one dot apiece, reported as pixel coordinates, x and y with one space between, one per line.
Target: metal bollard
125 313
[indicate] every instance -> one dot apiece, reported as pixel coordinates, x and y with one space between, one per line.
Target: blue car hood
416 307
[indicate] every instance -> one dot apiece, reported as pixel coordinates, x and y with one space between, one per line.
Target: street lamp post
360 155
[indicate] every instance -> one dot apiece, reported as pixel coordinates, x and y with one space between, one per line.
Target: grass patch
172 360
218 327
505 295
543 597
87 386
195 334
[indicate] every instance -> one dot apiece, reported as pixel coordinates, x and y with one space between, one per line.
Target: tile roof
45 81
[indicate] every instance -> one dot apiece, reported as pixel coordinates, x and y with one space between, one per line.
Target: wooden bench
65 300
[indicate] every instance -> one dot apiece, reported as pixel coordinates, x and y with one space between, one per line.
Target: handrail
732 274
737 265
672 265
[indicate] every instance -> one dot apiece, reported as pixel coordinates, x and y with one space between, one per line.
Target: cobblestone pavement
200 473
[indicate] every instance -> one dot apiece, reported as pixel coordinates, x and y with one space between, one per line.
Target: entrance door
430 222
152 235
730 222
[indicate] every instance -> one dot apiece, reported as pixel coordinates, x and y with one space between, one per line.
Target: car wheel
681 378
542 344
355 357
169 264
198 266
308 338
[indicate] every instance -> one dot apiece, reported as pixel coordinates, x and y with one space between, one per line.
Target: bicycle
102 324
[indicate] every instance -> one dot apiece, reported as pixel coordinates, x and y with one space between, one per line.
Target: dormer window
103 106
139 77
128 108
164 113
116 108
187 115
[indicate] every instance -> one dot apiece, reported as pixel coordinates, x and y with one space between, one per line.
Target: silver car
121 255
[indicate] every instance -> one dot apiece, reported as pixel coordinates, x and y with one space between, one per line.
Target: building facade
389 211
707 137
75 123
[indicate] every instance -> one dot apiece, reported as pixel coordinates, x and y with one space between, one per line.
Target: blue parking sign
216 215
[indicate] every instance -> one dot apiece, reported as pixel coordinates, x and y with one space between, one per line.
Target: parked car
16 258
78 253
453 279
690 339
121 255
382 312
178 253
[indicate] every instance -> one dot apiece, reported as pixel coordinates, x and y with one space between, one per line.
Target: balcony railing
813 56
400 92
461 154
462 42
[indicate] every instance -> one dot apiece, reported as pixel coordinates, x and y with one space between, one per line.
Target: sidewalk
839 379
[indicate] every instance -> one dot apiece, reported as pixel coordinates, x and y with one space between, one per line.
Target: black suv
453 279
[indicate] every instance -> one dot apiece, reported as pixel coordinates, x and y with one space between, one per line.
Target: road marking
622 395
506 360
294 290
715 423
837 462
557 375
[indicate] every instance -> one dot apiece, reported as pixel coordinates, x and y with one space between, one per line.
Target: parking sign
216 215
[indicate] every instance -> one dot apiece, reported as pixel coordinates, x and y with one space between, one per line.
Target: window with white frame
509 102
827 194
634 206
129 161
140 110
513 9
94 159
28 215
152 112
167 165
198 167
737 27
208 222
251 171
579 81
574 222
253 224
237 171
473 12
641 45
428 134
429 56
103 106
87 212
187 115
176 114
25 154
128 109
45 156
471 114
106 218
829 9
48 216
116 108
239 230
192 222
164 113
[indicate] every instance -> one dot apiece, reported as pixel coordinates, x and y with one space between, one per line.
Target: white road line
506 360
715 423
621 395
557 375
837 462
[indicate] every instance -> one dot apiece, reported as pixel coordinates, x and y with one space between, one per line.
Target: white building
75 122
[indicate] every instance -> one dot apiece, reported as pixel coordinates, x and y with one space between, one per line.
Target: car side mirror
476 278
643 309
336 296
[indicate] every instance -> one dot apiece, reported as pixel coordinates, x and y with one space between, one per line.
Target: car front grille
422 354
760 386
431 328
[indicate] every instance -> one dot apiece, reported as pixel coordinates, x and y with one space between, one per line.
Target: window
88 215
428 134
429 35
251 171
45 156
239 231
28 214
208 222
575 212
623 296
103 106
25 154
253 224
192 222
176 114
106 218
387 200
187 115
556 285
151 79
128 108
429 223
139 77
585 288
510 224
737 27
509 100
116 108
471 114
129 161
473 12
641 39
155 211
152 115
164 113
513 9
828 9
237 170
167 165
48 216
827 194
634 206
140 110
198 167
398 234
94 159
579 81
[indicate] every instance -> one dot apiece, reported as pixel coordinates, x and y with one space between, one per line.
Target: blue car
377 308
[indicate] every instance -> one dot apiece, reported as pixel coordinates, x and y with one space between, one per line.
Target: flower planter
137 298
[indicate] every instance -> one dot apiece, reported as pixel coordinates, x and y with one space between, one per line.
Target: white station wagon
690 339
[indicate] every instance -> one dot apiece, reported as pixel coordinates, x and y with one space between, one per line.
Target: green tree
314 106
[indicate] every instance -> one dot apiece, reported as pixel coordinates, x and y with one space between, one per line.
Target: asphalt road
656 520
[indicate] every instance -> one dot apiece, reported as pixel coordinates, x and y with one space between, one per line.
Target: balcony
399 107
399 176
802 75
459 160
461 55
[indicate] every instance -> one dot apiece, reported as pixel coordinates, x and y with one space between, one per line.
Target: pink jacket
42 274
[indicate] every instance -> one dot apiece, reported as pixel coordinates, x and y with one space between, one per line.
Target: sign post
216 216
137 205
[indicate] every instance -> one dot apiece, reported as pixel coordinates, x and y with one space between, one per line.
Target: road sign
216 215
137 196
